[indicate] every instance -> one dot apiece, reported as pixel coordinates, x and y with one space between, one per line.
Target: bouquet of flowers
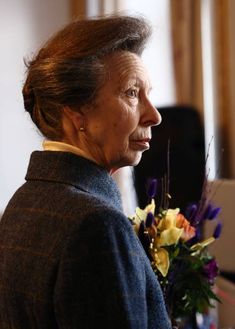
179 257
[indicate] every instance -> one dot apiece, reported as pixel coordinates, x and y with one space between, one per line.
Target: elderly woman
69 257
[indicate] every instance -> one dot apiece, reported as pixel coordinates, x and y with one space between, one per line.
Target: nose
151 116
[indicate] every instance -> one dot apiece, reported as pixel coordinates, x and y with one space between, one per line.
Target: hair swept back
69 68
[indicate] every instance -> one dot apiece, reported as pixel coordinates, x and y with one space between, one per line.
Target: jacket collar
68 168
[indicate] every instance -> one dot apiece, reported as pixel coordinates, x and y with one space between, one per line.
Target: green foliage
186 287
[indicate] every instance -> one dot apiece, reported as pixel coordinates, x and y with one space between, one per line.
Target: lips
141 143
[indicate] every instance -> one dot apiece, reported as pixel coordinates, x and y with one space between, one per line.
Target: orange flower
189 231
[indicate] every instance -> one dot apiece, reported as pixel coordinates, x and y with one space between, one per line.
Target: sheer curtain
187 35
186 41
81 8
224 48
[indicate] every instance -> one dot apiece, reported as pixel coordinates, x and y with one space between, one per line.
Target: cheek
121 132
125 122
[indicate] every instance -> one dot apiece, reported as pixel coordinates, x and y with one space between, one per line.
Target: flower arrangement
172 240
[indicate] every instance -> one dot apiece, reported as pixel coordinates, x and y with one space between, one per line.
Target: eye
132 93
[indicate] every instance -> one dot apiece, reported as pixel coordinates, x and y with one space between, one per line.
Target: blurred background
190 59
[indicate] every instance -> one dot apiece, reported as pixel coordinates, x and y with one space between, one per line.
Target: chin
131 160
135 160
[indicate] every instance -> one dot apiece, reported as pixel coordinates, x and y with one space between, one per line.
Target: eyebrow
147 85
139 83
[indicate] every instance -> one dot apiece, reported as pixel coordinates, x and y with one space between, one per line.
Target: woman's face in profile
118 126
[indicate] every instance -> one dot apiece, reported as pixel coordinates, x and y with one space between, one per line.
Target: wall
24 26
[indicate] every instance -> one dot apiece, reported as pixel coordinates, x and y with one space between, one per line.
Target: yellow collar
64 147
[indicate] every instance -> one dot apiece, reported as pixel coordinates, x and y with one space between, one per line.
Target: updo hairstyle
70 67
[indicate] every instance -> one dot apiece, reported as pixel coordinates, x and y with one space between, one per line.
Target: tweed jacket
69 257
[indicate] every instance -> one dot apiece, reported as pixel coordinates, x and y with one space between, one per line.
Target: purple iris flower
190 212
211 270
214 213
208 211
152 188
211 212
149 219
218 230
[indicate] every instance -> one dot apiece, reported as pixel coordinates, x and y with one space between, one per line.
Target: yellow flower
161 260
170 234
141 214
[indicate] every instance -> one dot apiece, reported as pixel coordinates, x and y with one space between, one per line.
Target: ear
76 118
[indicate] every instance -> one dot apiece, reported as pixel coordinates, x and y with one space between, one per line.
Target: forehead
125 66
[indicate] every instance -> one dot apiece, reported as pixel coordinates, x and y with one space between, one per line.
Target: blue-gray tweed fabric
69 257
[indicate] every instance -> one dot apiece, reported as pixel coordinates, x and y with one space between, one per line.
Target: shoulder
103 231
105 220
